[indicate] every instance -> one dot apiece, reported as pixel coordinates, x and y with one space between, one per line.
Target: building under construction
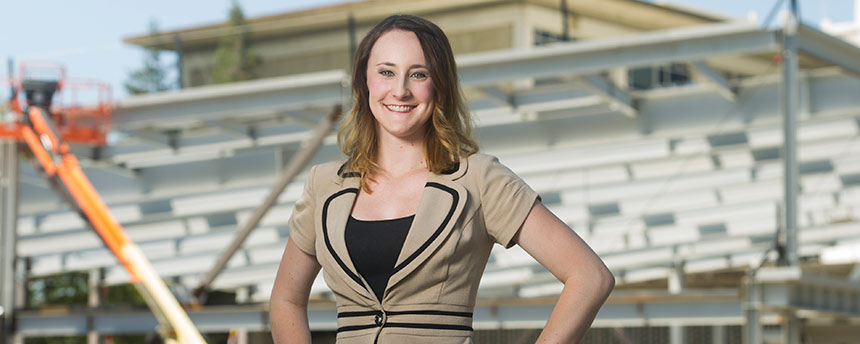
712 163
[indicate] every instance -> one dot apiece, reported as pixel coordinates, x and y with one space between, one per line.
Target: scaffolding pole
296 165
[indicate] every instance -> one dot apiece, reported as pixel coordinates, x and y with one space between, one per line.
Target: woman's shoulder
326 171
481 161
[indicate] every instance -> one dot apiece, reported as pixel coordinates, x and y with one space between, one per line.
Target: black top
374 246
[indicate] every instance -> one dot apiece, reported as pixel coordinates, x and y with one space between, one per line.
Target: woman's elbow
606 282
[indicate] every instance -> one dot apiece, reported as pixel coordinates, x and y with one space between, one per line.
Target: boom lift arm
63 171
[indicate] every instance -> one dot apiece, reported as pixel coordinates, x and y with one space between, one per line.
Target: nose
401 88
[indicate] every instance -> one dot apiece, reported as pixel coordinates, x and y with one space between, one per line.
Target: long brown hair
448 137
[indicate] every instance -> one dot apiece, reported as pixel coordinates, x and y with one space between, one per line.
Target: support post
789 105
752 327
8 231
790 327
177 45
718 334
677 285
94 301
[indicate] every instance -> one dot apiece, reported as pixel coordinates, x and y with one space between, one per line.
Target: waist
416 318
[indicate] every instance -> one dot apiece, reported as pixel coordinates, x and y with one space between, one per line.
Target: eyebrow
394 65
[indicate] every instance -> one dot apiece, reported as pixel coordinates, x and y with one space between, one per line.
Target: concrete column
22 271
718 334
94 301
752 332
677 285
791 328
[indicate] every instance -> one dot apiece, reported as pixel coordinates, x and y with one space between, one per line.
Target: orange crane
47 129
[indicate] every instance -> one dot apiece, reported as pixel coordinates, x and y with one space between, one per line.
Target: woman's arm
587 281
288 309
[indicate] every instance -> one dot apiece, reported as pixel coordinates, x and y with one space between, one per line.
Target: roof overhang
633 13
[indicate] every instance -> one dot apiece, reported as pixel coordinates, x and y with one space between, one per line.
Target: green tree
234 60
152 77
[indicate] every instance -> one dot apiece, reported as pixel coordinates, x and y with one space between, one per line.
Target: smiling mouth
400 108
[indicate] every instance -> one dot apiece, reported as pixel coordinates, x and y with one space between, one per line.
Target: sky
86 35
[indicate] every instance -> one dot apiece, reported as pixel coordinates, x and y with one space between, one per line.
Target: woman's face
399 84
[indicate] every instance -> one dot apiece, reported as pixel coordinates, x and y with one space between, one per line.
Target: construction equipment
47 127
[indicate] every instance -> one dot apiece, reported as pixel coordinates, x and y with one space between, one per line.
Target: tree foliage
234 60
152 76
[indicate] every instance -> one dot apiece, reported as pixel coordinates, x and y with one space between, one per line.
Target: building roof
633 13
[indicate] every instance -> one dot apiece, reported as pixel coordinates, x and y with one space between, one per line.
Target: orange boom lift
47 129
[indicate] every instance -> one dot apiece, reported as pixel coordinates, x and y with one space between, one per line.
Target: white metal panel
617 225
819 183
245 276
59 222
546 289
156 230
646 274
514 256
191 205
508 277
706 264
714 247
88 259
126 213
261 236
265 254
277 215
812 202
732 158
65 242
671 167
632 259
841 254
752 225
46 265
669 235
209 242
828 233
847 164
197 225
158 249
587 156
849 196
26 225
833 148
726 212
750 192
810 131
669 202
570 213
691 145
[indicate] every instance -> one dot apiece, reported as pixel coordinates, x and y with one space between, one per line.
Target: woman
403 229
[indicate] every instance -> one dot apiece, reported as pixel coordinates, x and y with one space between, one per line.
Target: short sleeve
505 202
302 231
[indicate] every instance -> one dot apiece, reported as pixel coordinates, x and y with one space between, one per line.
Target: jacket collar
440 206
344 176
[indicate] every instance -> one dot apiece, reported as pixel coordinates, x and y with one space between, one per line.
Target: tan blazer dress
431 294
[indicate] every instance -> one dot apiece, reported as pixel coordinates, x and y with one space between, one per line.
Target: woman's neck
398 157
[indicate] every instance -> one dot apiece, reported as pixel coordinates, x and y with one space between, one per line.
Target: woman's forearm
289 323
576 308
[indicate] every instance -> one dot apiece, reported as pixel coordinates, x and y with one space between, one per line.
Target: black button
378 320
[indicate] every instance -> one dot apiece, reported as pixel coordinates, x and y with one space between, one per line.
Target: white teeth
399 108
